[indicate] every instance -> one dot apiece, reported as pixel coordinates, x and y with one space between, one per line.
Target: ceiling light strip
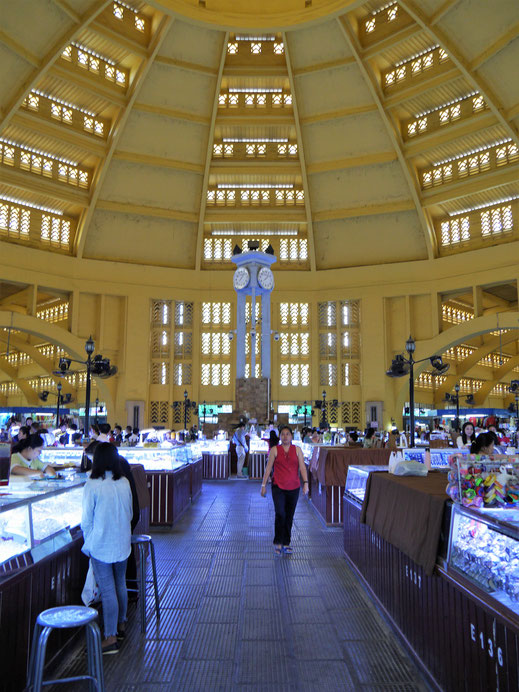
258 140
255 90
255 38
128 7
255 186
37 151
384 7
449 103
247 233
30 204
484 206
473 151
63 103
80 46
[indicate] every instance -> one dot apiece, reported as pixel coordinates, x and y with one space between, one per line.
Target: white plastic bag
409 468
90 593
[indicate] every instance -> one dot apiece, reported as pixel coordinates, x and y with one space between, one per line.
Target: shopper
118 435
23 434
369 439
25 462
467 436
104 433
106 526
273 439
240 441
287 460
483 444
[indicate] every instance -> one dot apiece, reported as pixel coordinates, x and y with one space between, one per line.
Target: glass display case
484 548
62 456
157 458
213 446
439 457
38 516
357 479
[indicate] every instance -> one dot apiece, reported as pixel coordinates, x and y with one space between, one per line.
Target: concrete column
240 335
265 335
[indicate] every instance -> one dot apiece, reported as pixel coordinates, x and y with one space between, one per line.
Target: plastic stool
141 541
61 618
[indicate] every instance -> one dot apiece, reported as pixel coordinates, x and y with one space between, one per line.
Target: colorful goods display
480 481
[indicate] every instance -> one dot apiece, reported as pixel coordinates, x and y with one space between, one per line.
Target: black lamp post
58 402
457 397
89 348
304 413
186 402
402 366
97 407
323 420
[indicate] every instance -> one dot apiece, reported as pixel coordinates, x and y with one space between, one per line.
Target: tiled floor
236 617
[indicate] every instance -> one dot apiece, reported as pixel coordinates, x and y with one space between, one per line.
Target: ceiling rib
17 48
117 130
300 148
428 230
209 156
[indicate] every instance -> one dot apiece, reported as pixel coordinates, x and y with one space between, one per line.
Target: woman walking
106 525
287 460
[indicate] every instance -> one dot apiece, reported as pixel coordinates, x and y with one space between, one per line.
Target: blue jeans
111 580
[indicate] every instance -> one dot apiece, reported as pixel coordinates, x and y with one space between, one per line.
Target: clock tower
253 277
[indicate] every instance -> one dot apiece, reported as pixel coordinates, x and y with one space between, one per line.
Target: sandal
288 550
278 550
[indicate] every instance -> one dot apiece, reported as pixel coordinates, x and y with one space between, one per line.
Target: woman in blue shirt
106 526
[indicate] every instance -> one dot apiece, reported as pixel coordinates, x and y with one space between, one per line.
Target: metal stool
61 618
141 541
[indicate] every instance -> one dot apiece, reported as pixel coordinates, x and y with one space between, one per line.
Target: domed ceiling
343 133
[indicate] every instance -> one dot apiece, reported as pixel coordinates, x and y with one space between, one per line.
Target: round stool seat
140 538
67 616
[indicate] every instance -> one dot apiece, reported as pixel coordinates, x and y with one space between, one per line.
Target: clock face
266 278
241 278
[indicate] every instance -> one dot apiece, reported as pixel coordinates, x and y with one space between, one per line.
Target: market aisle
236 617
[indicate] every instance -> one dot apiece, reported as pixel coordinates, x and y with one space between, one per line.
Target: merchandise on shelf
357 479
479 481
439 457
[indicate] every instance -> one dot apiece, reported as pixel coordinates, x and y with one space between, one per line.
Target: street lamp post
457 395
323 421
185 410
60 387
402 366
304 413
89 348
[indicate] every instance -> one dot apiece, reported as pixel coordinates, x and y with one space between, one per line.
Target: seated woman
467 436
25 462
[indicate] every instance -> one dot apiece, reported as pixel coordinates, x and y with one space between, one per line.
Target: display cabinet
215 455
484 548
36 518
439 457
356 481
62 456
157 458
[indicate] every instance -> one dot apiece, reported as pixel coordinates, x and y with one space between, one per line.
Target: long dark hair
482 440
464 435
106 458
273 439
33 441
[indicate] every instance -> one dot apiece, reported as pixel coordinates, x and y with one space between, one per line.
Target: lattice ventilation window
255 99
351 412
461 108
15 221
215 344
218 249
9 388
350 313
494 360
294 314
44 164
160 372
245 196
161 313
328 374
257 370
350 374
182 374
18 358
488 223
255 45
54 313
247 344
183 314
41 382
55 231
327 314
160 343
388 15
499 390
458 353
263 243
50 351
294 374
132 18
455 314
21 222
183 344
294 344
474 163
215 374
159 412
415 66
248 311
293 249
327 345
350 343
66 113
216 314
100 66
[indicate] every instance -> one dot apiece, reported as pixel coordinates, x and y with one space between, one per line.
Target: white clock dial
266 278
241 278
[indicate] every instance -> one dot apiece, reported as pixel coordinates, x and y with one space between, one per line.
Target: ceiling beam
498 375
390 41
408 172
185 65
256 166
142 210
402 94
67 9
95 87
473 78
495 47
20 50
117 130
158 161
351 162
29 393
365 210
336 115
171 113
209 154
321 66
30 182
270 214
470 186
301 150
133 47
48 60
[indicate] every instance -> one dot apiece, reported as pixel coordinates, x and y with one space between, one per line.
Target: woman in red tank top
288 462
